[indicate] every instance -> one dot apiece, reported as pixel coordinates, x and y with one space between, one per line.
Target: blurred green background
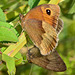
66 46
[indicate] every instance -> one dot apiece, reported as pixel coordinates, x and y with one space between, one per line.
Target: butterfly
43 25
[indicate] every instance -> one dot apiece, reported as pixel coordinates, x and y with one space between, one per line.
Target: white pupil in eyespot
48 11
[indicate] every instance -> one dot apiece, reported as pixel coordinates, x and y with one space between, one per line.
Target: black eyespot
48 11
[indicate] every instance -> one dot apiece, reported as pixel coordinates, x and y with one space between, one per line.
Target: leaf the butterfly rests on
40 23
51 62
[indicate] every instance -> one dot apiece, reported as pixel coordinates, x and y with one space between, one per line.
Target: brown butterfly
51 62
43 25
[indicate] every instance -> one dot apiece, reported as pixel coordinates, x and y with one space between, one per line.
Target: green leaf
10 63
7 32
2 16
33 3
72 10
18 55
54 1
13 49
2 66
3 49
43 2
19 58
1 63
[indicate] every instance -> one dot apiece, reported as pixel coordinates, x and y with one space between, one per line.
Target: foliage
9 51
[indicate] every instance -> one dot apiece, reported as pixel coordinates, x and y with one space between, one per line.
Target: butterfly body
41 25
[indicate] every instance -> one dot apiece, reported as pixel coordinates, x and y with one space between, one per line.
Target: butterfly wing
51 62
59 26
50 38
42 34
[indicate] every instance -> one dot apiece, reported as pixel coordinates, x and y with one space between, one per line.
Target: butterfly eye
48 11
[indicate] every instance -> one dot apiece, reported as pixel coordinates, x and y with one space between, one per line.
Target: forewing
51 62
42 34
